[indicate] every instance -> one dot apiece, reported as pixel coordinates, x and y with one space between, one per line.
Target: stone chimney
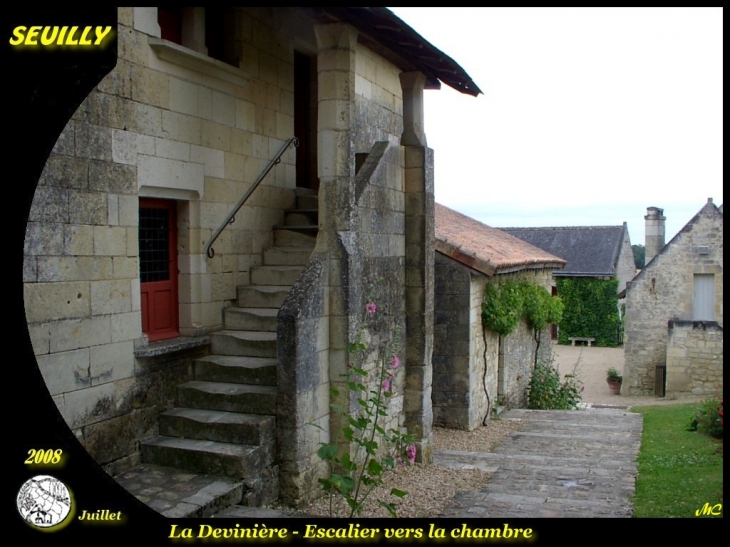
654 232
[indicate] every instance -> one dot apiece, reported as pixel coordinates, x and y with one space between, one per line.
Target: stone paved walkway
561 464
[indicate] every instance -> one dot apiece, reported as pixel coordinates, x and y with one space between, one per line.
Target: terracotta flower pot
615 387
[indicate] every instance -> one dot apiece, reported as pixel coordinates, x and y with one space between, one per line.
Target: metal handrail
231 218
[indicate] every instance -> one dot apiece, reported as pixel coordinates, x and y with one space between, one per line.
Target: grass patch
679 470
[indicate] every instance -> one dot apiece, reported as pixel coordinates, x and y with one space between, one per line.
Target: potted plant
614 379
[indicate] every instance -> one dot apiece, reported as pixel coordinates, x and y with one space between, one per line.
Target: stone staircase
225 420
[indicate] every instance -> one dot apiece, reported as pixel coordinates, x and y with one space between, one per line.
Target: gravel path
590 366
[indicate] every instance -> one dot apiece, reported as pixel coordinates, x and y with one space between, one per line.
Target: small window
703 303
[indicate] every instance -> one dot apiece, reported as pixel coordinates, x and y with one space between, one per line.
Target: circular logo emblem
44 501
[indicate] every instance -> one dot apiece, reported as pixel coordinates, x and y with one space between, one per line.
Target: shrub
708 419
547 392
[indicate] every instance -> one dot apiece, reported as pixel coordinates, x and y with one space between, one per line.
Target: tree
639 256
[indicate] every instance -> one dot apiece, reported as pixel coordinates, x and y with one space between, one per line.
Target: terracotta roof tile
486 249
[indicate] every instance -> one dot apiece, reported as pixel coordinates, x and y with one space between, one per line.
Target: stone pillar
336 170
413 129
419 295
654 232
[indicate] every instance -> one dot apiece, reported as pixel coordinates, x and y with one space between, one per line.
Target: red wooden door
158 268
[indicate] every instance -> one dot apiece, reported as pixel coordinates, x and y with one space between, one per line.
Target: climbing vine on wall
506 303
591 309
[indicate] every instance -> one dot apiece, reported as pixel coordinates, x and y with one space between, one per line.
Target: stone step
237 370
211 457
295 236
275 275
243 343
175 493
308 202
216 425
227 397
301 217
257 319
287 256
261 296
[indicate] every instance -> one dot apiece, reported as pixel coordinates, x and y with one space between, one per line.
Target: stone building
472 364
171 327
674 311
597 252
602 252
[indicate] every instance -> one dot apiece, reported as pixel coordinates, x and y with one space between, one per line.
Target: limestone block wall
452 377
166 123
694 358
303 397
663 290
459 398
518 348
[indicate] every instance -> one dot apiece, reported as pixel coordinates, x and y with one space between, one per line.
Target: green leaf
398 493
327 451
390 507
347 463
348 432
334 392
347 484
389 461
359 371
374 468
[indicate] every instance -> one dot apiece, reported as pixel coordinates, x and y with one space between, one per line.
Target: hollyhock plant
411 453
375 438
386 384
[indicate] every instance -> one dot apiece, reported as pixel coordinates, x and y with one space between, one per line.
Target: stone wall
459 398
373 247
663 290
517 354
167 123
694 358
303 412
452 375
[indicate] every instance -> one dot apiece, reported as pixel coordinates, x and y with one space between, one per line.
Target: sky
588 115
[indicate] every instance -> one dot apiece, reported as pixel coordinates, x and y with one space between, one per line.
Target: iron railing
231 218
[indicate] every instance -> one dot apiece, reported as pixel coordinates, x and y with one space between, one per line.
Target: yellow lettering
30 38
45 40
101 32
62 35
70 40
84 41
19 36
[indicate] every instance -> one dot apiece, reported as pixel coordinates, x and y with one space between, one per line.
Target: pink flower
371 307
386 384
411 453
396 361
